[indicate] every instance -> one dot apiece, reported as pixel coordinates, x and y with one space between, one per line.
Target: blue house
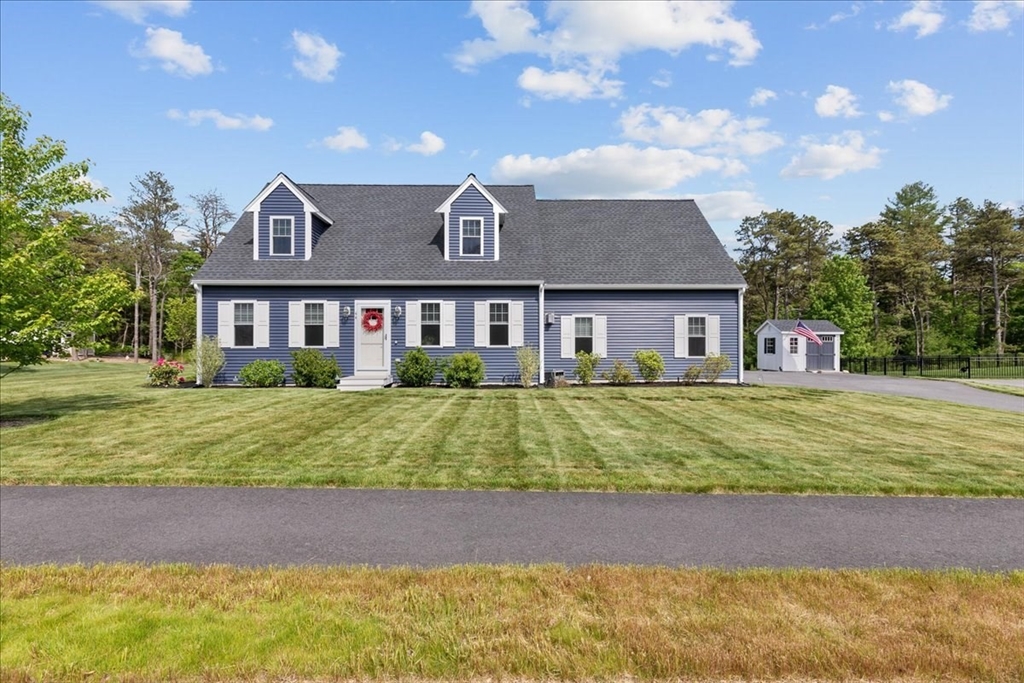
368 272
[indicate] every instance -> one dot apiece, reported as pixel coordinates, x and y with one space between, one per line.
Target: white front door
373 332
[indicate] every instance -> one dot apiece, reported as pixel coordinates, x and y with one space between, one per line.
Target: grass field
536 623
103 426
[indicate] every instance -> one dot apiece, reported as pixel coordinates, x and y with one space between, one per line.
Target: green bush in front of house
262 373
714 366
619 374
529 364
311 368
209 360
586 366
465 369
417 369
650 364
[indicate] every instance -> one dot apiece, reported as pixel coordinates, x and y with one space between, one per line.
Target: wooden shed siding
500 362
471 204
281 202
642 320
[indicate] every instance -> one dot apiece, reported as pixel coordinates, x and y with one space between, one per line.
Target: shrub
417 369
311 368
262 373
586 366
692 374
209 360
166 373
714 366
529 364
650 364
465 369
619 374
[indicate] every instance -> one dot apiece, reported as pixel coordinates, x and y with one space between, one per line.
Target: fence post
865 365
920 366
968 367
885 365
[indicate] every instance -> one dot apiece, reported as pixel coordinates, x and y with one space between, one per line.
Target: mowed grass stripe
105 427
536 623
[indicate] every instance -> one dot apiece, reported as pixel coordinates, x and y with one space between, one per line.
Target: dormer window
472 236
282 236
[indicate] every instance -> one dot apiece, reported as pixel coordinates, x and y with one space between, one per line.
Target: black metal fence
1007 366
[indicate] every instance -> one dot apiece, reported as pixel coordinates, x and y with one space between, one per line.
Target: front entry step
364 381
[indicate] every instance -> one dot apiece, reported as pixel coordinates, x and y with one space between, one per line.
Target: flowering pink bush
166 373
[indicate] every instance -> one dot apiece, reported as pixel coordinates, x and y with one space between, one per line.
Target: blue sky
819 108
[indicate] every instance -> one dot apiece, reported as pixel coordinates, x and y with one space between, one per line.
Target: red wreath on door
373 321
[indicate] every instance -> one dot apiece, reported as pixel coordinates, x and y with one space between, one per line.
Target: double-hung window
244 319
472 236
584 334
498 334
314 322
281 237
769 345
430 323
794 344
697 334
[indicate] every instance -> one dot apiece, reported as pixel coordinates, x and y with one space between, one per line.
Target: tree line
921 279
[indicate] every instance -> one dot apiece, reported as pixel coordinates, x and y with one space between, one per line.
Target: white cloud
96 184
916 98
428 145
837 17
224 122
885 116
610 170
924 15
729 205
176 56
347 138
845 153
317 59
715 131
568 85
837 101
761 97
994 15
662 79
136 10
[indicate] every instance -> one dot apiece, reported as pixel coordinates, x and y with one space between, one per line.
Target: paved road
898 386
431 528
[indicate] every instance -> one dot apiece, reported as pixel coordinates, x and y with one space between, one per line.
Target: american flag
805 331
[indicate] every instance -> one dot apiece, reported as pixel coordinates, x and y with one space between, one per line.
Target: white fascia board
281 178
741 288
471 180
769 324
371 283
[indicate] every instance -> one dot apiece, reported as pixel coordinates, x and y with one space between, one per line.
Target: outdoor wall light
346 311
398 311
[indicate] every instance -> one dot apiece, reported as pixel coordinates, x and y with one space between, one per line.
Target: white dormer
472 223
283 221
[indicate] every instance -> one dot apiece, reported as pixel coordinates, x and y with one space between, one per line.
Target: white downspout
540 335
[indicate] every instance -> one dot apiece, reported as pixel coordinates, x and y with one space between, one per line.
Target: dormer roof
300 194
470 180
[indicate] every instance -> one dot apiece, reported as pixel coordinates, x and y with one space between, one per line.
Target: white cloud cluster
176 55
729 205
346 139
837 17
845 153
916 98
924 15
138 10
588 38
713 131
429 144
317 59
837 101
222 121
762 96
994 15
662 79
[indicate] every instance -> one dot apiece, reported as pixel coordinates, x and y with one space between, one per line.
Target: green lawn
103 426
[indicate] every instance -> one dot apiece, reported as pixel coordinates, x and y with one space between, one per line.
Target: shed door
822 357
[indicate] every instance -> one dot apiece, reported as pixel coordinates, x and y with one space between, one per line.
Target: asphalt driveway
898 386
252 526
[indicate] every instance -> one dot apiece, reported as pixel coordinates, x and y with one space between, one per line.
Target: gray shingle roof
818 326
390 232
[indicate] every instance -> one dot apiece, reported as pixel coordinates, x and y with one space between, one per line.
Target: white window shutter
515 324
412 324
296 323
448 323
226 323
680 336
332 323
714 343
481 314
601 335
568 336
261 324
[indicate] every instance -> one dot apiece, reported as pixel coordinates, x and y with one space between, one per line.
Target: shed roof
820 326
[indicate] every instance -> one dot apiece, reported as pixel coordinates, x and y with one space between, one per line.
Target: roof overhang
646 286
282 179
371 283
470 180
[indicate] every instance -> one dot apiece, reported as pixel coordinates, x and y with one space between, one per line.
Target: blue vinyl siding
471 204
281 202
500 362
318 229
642 320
